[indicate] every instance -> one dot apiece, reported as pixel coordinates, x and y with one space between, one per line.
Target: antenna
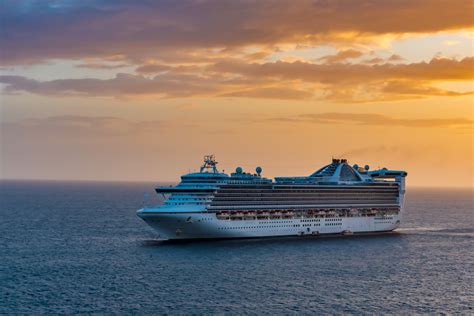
210 163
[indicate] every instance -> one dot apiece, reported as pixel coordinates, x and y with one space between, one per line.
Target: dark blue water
79 248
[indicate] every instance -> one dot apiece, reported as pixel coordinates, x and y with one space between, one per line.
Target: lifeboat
237 216
250 215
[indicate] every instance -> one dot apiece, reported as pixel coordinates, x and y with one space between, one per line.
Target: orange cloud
373 119
142 30
296 80
342 56
282 93
436 70
395 58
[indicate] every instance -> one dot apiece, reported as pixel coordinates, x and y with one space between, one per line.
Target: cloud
395 58
101 66
166 85
435 70
152 68
342 56
372 119
410 90
361 82
285 80
83 126
34 31
272 93
158 68
184 49
376 60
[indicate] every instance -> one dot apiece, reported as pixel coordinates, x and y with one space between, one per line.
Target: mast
210 163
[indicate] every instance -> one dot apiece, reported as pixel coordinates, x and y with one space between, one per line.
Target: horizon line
165 181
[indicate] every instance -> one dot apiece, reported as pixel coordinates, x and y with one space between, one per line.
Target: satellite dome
356 167
366 167
238 170
259 170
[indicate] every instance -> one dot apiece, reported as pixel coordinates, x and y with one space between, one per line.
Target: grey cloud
231 77
33 31
436 69
166 85
101 66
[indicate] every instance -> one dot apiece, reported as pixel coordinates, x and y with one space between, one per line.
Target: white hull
336 199
207 226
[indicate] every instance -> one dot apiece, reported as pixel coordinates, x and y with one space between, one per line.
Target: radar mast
210 164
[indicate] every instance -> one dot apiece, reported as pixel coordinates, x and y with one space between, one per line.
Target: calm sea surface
78 247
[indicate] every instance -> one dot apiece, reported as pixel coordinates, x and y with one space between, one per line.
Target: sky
142 90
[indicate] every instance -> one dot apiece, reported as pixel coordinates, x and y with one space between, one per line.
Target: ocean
78 247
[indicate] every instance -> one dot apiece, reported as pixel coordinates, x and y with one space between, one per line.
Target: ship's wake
433 230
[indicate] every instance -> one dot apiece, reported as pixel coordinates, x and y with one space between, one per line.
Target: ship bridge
204 181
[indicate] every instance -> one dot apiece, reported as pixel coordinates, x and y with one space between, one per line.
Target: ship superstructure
336 199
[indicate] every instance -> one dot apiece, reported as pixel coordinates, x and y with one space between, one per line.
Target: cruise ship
336 199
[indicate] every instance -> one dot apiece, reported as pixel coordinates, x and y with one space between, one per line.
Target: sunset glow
141 90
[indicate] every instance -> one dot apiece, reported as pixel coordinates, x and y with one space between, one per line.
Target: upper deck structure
335 190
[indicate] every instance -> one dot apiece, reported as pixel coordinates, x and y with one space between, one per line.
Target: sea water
78 247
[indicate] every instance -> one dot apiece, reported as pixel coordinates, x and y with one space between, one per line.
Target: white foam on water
437 231
421 229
